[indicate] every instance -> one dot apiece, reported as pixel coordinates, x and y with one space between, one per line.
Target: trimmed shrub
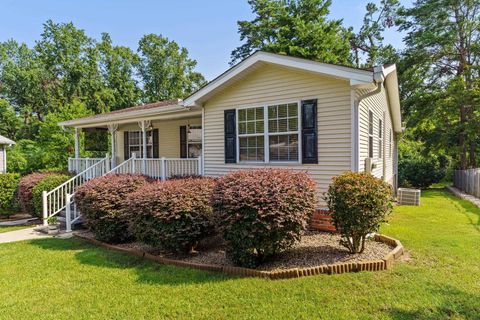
25 189
8 187
102 202
263 212
46 184
358 202
172 215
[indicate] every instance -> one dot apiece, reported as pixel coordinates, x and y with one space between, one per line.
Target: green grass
12 228
58 279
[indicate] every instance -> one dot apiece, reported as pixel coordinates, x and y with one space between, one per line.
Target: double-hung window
370 134
135 144
194 141
269 133
380 138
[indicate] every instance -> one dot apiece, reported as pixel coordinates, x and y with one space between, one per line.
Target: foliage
172 215
25 189
8 187
358 203
369 40
46 184
67 75
102 202
166 70
440 72
263 212
293 27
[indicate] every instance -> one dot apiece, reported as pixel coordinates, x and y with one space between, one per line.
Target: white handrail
78 165
54 201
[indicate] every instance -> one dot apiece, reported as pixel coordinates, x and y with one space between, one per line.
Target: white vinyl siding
273 85
379 106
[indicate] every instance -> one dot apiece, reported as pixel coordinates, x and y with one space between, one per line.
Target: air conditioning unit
408 197
369 165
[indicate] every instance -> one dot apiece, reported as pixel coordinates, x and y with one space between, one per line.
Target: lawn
12 228
53 279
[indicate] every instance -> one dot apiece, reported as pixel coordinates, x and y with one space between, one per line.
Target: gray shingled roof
4 140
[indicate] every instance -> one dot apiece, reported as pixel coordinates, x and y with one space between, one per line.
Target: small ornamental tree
358 203
102 202
8 187
263 212
172 215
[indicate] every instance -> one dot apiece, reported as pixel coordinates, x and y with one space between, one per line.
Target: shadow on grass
147 272
453 304
459 203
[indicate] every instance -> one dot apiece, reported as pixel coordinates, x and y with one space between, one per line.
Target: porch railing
54 201
78 165
468 181
161 168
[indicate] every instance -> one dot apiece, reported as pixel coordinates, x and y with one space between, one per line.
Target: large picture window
274 125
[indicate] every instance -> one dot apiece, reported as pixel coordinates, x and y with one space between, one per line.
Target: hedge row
259 212
8 188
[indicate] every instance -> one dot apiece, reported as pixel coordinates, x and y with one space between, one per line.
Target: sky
207 28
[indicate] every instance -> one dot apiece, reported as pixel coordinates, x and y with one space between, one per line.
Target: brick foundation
322 221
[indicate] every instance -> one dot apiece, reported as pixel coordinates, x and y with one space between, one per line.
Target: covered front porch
158 141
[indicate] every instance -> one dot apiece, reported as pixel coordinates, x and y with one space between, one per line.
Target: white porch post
77 144
144 124
112 128
202 161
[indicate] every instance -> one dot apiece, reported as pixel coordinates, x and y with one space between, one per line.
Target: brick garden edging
336 268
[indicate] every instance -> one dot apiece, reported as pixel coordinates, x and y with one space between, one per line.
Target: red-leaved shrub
102 202
25 189
263 212
172 215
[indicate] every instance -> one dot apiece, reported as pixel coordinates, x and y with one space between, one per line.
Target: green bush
263 212
46 184
25 189
420 173
102 202
172 215
358 203
8 187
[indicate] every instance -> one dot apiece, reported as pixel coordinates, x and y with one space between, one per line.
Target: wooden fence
468 181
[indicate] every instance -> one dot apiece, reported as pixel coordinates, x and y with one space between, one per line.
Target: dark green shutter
155 143
183 141
126 153
230 136
309 132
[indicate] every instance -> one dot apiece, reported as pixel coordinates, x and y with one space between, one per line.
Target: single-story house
4 143
269 110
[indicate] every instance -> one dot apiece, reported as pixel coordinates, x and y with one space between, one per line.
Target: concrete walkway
27 234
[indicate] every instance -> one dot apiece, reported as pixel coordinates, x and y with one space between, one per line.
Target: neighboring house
4 143
267 111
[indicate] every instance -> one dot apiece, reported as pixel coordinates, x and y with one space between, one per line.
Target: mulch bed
315 249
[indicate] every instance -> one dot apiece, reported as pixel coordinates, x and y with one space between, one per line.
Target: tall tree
294 27
166 70
369 40
441 81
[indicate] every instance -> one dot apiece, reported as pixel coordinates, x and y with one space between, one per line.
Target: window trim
266 133
380 138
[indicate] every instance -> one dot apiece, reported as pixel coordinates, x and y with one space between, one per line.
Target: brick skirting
322 221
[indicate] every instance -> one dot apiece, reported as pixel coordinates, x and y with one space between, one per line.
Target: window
391 143
276 125
283 132
194 141
380 138
135 144
251 129
370 134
